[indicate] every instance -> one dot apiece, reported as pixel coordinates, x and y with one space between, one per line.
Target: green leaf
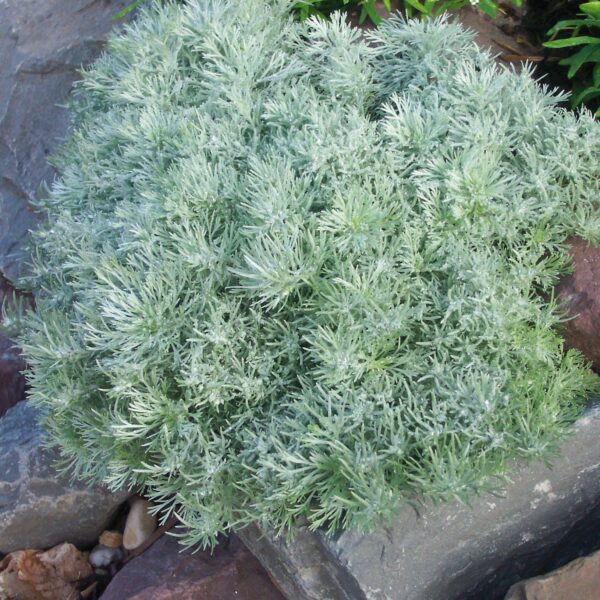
126 10
574 41
577 23
591 8
364 13
416 4
596 75
589 53
429 5
368 9
587 94
444 6
488 7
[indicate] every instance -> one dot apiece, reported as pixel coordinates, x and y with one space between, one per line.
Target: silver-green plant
287 272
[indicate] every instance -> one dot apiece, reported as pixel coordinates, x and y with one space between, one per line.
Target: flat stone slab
38 507
452 551
165 572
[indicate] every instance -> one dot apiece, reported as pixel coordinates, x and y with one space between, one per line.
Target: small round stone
111 539
101 556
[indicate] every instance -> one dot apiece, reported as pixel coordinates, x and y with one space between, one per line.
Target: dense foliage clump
288 272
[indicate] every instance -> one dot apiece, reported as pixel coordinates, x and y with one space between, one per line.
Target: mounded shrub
289 272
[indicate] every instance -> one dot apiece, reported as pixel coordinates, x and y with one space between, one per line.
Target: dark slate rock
12 380
38 507
165 572
449 552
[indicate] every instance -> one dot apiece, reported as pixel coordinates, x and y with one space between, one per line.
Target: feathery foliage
287 272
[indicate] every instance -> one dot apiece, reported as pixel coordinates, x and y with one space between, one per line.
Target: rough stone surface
42 46
454 552
579 292
12 381
163 572
579 580
39 508
50 575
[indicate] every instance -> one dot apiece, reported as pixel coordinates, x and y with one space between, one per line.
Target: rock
579 293
164 572
103 556
42 45
111 539
12 381
140 524
452 551
38 507
37 575
579 580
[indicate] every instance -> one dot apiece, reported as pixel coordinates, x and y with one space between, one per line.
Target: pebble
111 539
101 556
140 524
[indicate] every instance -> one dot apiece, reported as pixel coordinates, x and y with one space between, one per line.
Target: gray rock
42 45
38 507
449 552
579 580
12 380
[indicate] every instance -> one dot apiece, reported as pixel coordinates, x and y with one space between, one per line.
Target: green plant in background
323 8
287 272
425 8
580 34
